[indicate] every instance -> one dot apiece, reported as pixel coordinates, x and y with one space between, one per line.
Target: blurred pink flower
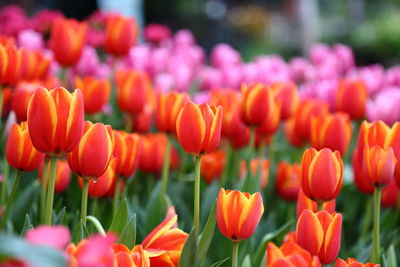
326 90
95 37
373 76
184 38
89 64
224 55
250 72
328 69
96 251
156 33
158 59
56 237
345 57
183 75
319 52
164 82
392 77
43 20
210 78
13 20
301 70
232 76
30 39
201 97
272 69
385 106
139 57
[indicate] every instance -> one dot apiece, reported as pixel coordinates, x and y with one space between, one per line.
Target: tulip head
360 180
55 120
34 65
20 153
288 180
198 128
238 214
91 157
212 165
127 149
290 254
350 262
378 165
351 97
121 34
96 92
10 59
287 96
322 174
168 106
303 203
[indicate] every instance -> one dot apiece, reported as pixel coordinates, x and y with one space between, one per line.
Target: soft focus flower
378 165
20 153
63 175
351 98
271 124
384 106
20 99
291 135
212 165
238 214
34 65
224 54
96 92
30 39
322 174
142 123
91 157
44 19
257 166
287 97
56 237
360 180
373 76
320 234
67 39
198 128
10 58
156 33
390 195
127 150
331 131
121 34
303 203
55 120
288 180
289 254
350 262
168 106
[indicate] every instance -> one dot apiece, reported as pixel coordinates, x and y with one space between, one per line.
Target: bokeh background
287 27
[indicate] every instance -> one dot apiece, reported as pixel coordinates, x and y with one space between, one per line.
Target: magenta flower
385 106
56 237
224 55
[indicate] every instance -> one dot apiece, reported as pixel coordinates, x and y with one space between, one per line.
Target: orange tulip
322 174
291 255
238 214
55 120
20 99
127 149
66 41
350 262
307 110
20 153
320 234
137 257
142 122
288 180
291 134
378 165
166 240
100 186
288 98
96 93
351 97
257 104
168 106
332 131
212 165
198 128
34 65
255 166
303 203
271 123
121 34
10 59
91 157
360 180
133 88
63 175
393 139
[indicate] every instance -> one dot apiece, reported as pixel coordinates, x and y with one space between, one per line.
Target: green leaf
156 209
391 257
207 235
189 252
247 261
128 235
43 256
61 217
219 263
27 225
120 219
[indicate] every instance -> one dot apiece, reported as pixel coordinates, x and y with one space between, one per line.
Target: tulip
290 254
156 33
56 237
320 234
392 139
257 166
168 106
137 257
10 58
360 180
63 175
96 93
55 120
322 174
20 99
351 97
212 165
91 157
288 180
66 41
121 35
288 98
303 203
20 153
350 262
331 131
291 135
132 91
34 65
390 195
271 124
142 123
238 215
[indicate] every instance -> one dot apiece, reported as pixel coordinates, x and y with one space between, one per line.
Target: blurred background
287 27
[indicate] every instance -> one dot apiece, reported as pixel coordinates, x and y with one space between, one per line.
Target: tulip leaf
189 252
61 217
128 235
390 257
120 219
27 225
207 235
246 261
219 263
12 247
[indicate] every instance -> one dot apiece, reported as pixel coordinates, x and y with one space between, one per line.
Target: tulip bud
288 98
378 165
351 97
127 149
96 93
121 34
288 180
212 165
168 106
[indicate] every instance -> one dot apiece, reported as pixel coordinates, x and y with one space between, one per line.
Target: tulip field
123 152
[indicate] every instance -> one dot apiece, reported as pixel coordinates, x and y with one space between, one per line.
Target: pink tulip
301 70
272 69
210 78
392 77
139 57
183 38
319 52
157 33
223 55
56 237
164 82
385 106
13 20
373 77
30 39
345 57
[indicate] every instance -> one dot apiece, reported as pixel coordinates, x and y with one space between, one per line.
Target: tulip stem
50 191
43 196
250 151
367 218
85 191
4 183
165 170
10 199
235 252
375 255
116 195
196 220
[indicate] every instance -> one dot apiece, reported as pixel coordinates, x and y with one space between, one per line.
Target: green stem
50 191
228 159
235 252
10 199
367 218
96 224
116 195
45 181
63 76
250 151
129 123
320 206
165 170
85 191
375 255
196 222
4 183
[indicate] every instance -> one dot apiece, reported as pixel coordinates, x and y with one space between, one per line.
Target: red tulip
288 98
212 165
307 110
10 59
350 262
127 149
121 34
378 165
303 203
63 175
288 180
290 254
351 98
96 93
34 65
168 106
20 99
390 195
